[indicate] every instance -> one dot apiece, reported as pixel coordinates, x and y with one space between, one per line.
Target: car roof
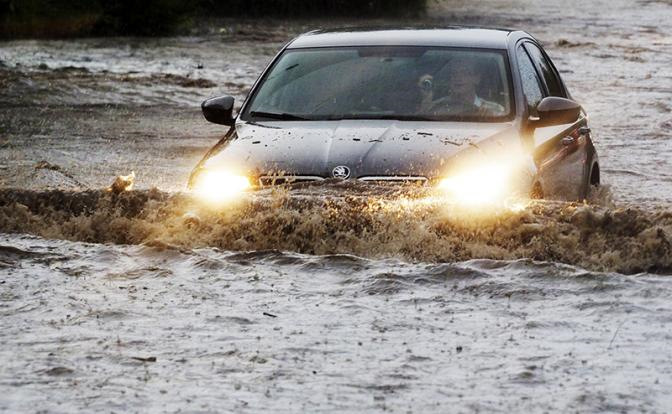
453 36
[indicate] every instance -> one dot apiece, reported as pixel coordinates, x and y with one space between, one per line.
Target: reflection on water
343 297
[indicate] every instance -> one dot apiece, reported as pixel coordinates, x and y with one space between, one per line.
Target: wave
334 220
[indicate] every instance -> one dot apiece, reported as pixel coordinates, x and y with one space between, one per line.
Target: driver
454 92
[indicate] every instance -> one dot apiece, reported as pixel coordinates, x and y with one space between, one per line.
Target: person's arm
487 108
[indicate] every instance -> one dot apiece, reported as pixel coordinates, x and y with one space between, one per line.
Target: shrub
49 18
142 17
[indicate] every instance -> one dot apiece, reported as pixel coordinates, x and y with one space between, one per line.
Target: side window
531 85
552 82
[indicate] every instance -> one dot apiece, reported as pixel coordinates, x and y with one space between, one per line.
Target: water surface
334 298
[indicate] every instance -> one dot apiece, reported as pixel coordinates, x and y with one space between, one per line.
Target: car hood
368 148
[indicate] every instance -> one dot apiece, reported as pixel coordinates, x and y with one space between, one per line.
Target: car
480 114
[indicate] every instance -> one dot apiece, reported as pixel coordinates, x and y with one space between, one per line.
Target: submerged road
337 298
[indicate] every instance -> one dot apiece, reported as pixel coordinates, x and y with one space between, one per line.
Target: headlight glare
218 186
480 185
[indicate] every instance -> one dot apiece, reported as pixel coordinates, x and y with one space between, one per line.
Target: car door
560 151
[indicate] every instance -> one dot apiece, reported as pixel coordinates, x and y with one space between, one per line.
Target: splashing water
346 220
347 297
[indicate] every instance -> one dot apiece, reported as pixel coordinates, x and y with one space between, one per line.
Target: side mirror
554 110
219 110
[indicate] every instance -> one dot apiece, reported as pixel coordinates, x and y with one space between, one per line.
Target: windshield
383 82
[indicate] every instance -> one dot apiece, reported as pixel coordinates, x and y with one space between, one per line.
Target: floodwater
342 298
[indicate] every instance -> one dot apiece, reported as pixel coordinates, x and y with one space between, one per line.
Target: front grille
270 180
396 179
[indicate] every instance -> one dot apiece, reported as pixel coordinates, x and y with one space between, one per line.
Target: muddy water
347 219
332 298
124 328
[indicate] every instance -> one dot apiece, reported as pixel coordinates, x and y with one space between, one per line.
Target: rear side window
531 85
552 82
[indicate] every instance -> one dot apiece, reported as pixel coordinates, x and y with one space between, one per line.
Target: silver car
481 114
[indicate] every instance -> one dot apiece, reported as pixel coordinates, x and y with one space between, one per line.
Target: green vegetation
42 18
62 18
142 17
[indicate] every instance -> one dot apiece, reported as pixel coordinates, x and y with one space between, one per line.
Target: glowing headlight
485 184
217 186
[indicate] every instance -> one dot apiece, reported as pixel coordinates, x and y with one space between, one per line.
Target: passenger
454 92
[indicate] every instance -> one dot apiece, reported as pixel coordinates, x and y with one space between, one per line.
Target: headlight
485 184
218 186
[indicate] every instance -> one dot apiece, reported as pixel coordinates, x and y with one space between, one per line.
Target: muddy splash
345 219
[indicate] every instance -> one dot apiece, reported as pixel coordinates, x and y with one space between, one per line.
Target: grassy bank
69 18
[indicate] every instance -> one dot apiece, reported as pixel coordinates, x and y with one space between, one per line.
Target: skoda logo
341 172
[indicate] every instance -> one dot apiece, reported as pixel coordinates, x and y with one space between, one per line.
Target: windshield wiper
275 115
